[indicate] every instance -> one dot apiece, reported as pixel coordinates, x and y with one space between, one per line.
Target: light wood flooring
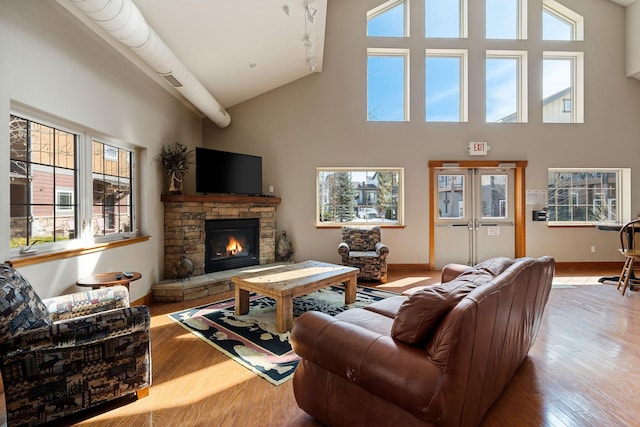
582 371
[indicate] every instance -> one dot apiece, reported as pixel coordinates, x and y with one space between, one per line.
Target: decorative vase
175 184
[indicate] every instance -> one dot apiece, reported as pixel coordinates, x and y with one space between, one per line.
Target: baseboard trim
396 267
580 265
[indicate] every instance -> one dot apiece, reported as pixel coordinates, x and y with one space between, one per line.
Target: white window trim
463 54
65 209
405 53
84 176
567 15
522 79
577 81
623 194
388 5
401 201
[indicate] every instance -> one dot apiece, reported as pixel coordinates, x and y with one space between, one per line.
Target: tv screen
226 172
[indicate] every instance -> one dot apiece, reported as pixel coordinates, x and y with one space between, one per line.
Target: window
506 19
562 83
446 18
112 208
359 195
506 87
43 180
446 85
560 22
588 196
54 169
388 20
64 201
387 85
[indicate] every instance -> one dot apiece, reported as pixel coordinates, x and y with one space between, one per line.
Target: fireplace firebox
231 243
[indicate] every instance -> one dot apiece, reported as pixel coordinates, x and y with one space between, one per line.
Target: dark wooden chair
630 248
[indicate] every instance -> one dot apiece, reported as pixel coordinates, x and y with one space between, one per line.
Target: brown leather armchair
439 357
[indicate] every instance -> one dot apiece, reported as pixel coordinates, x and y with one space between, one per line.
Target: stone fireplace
186 218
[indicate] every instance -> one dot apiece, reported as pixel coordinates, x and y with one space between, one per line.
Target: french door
477 212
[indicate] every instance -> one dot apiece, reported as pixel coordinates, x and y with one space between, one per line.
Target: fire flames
233 247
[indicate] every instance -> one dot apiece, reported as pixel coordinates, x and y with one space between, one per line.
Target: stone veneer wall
184 225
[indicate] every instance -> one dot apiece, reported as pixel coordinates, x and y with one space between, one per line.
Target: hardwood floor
582 370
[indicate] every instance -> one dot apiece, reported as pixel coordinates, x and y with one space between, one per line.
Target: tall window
506 87
359 195
66 186
445 18
43 183
388 20
560 22
387 85
562 85
112 207
588 196
506 19
446 85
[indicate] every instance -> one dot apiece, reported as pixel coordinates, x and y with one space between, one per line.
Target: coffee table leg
284 314
242 301
350 289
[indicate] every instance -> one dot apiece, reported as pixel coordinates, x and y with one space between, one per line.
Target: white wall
321 121
53 63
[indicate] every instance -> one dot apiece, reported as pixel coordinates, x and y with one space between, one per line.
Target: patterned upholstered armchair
361 248
65 354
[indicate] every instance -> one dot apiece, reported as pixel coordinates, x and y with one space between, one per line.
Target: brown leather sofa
438 357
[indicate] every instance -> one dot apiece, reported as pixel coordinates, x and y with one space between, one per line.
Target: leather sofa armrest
451 271
362 356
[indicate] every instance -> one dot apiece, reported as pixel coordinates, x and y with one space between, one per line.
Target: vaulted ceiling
237 49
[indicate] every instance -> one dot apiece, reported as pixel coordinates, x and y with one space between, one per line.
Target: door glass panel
494 196
451 196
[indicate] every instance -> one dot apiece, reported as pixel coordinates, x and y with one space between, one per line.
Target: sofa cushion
422 312
20 307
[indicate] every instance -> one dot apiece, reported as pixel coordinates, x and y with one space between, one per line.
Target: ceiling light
311 13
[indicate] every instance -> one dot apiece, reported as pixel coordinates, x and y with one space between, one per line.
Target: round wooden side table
108 279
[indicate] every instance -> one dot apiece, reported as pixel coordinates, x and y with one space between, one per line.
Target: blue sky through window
443 89
389 23
442 18
502 88
385 88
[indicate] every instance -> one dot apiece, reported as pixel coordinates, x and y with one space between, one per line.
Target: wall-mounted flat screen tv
227 173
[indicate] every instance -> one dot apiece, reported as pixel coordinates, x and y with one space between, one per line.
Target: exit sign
478 148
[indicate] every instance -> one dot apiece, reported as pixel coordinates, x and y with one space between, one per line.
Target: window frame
385 7
399 222
83 235
393 53
564 14
463 105
622 199
577 82
522 83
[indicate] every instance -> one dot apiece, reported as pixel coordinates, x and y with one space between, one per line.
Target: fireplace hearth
231 243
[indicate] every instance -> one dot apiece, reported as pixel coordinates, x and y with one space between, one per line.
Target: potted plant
176 159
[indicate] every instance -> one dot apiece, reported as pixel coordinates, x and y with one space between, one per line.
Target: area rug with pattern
252 339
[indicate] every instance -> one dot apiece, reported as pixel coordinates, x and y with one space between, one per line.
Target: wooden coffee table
285 282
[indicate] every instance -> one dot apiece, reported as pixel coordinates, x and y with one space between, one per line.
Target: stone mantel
184 225
219 198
